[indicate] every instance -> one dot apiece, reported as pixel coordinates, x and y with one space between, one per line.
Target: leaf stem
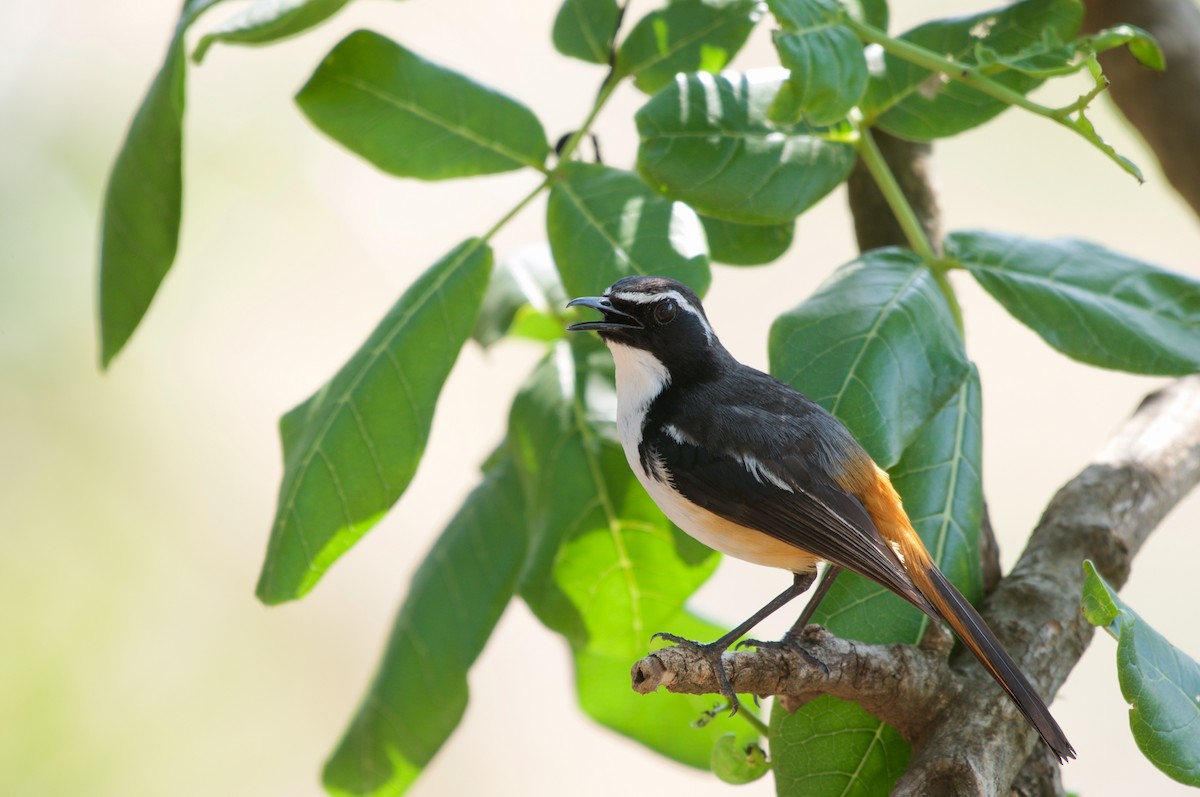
755 722
974 77
873 159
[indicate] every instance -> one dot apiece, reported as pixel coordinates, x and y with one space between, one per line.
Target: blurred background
135 505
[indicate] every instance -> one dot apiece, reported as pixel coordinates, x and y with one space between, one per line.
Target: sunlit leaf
351 449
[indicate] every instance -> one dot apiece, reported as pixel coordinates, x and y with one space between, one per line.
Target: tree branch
968 737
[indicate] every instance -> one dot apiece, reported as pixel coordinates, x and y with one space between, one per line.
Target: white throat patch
641 377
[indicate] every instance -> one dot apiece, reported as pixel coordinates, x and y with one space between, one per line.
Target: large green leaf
939 478
746 244
420 692
1094 305
912 102
351 449
266 21
413 118
1159 681
606 569
706 139
143 202
662 721
877 346
828 69
585 29
685 36
818 752
605 224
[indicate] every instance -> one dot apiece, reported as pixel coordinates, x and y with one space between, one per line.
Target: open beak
613 318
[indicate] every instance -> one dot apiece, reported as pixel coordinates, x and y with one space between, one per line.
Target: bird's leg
792 638
713 651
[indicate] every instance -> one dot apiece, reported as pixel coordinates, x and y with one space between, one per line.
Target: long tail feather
976 635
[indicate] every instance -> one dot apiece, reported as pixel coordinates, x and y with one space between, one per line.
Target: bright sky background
135 506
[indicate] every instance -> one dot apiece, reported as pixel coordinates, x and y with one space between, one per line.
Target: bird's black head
657 315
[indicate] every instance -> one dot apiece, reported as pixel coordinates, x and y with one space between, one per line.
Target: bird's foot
790 641
712 653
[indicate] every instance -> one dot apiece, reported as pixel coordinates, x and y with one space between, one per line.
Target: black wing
784 490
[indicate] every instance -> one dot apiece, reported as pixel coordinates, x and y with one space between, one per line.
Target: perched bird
755 469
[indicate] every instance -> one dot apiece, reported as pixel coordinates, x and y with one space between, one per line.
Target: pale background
134 506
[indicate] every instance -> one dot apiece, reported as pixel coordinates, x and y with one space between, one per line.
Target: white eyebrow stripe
647 298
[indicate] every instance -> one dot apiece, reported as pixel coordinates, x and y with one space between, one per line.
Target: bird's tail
975 634
883 504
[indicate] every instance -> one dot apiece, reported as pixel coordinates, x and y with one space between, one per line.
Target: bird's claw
713 654
788 642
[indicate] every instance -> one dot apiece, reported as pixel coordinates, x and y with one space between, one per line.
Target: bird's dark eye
665 311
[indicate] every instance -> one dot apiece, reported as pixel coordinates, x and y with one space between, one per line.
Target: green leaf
1090 303
413 118
524 290
351 449
585 29
142 206
746 244
606 569
877 346
737 761
834 733
685 36
828 74
664 722
143 201
828 69
939 479
870 12
1160 682
706 140
419 694
606 223
914 103
266 21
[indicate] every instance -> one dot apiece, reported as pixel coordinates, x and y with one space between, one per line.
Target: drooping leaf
584 29
662 721
1092 304
914 103
419 694
835 733
351 449
143 201
738 760
267 21
606 569
606 223
746 244
825 59
413 118
706 140
877 346
685 36
939 479
1160 682
525 293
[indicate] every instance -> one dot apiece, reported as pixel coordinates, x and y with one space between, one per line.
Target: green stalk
974 77
873 159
